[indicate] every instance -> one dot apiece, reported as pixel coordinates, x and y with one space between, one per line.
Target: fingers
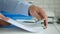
35 14
39 13
3 23
3 17
43 14
45 20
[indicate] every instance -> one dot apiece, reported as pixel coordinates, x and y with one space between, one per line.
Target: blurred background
52 8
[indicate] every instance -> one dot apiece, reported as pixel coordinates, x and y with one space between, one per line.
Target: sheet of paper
11 21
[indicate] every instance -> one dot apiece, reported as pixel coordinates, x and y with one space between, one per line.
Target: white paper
11 21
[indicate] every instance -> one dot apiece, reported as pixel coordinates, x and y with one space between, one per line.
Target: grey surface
50 30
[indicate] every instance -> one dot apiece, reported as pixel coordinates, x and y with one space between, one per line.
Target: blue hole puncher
18 17
15 17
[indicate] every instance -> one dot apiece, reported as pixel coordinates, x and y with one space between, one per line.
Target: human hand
39 13
3 20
